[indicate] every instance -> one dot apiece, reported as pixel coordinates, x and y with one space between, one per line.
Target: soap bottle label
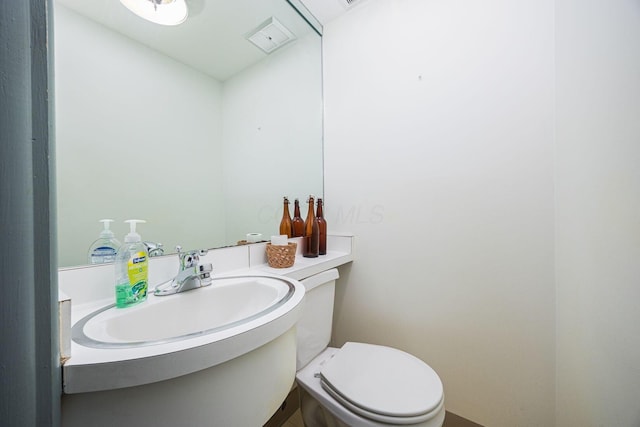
102 255
135 288
137 271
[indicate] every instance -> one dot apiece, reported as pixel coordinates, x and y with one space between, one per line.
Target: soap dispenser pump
132 260
104 248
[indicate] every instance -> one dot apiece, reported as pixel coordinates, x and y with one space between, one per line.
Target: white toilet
358 385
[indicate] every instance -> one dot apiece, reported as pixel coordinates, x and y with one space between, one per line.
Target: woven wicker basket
281 256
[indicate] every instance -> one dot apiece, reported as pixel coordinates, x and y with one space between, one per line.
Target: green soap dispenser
104 248
132 269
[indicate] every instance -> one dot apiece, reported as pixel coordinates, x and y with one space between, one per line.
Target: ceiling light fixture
163 12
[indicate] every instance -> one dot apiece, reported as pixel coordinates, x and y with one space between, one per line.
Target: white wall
598 212
126 111
439 157
272 131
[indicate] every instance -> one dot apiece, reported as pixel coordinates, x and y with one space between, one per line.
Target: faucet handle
190 258
154 249
205 268
204 271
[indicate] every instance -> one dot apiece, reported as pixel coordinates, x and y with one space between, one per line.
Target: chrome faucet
154 249
191 275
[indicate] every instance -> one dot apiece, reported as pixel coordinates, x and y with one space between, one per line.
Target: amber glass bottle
286 225
298 223
322 228
311 239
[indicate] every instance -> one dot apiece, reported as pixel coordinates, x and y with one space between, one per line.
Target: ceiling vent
270 35
350 3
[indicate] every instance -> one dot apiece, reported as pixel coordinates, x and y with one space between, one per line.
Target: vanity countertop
90 283
339 252
84 289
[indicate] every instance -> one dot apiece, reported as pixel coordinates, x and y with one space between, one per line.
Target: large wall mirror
192 127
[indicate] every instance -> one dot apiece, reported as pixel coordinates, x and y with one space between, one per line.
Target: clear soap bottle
104 248
132 268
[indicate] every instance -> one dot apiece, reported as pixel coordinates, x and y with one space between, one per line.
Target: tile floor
294 421
451 420
291 404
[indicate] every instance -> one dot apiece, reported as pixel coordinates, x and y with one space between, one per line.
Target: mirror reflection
192 128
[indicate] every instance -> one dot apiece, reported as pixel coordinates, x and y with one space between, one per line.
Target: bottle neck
310 212
320 214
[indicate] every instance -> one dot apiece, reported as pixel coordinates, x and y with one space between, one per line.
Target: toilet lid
382 382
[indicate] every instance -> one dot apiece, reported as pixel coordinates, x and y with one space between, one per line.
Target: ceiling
211 40
327 10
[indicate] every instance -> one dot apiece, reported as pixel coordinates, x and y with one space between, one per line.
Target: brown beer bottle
322 228
297 223
286 225
311 239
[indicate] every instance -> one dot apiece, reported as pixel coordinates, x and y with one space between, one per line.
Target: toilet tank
314 327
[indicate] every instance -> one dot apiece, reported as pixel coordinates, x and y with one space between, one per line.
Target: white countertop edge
306 267
84 355
90 377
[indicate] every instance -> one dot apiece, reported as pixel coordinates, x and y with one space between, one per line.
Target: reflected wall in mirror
192 127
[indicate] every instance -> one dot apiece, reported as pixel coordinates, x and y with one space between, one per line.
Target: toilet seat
383 384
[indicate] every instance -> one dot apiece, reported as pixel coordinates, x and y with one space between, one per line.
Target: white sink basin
221 355
170 336
226 303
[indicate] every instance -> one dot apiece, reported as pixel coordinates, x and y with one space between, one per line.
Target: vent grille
270 35
350 3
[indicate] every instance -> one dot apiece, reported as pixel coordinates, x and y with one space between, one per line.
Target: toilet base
314 414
